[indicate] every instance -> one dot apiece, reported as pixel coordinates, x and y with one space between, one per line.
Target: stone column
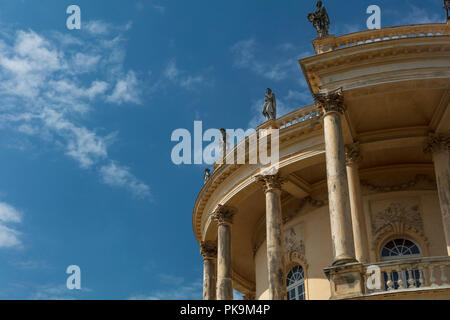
275 239
353 157
223 216
208 250
438 145
332 105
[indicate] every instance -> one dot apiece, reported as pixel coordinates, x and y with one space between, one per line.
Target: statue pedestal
267 127
322 45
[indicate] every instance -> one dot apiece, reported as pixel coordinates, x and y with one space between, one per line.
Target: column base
346 281
339 261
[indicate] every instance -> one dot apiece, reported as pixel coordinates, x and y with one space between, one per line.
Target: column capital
223 214
270 182
437 143
330 102
353 153
208 249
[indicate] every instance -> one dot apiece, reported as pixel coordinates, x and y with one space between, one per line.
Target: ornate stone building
362 191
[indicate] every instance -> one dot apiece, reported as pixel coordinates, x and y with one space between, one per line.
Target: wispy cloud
116 175
155 6
244 57
9 237
56 292
102 28
182 78
126 90
177 289
416 15
31 265
43 91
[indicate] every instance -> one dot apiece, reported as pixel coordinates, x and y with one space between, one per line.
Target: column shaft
209 280
224 273
358 219
223 216
209 252
338 198
438 144
442 169
275 238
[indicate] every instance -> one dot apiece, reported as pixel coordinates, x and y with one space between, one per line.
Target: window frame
398 257
296 285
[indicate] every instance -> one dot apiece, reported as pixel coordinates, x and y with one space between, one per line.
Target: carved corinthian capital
352 153
223 214
270 182
332 101
437 143
208 249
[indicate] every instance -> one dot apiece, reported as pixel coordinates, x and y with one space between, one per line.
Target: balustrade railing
411 274
297 116
420 30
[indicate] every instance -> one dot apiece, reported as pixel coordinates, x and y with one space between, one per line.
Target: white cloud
140 5
9 237
244 57
119 176
97 27
159 8
299 97
181 78
85 62
56 292
171 72
126 90
179 291
31 265
191 81
42 91
416 15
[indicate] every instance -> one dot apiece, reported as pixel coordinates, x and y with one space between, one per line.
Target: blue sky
86 118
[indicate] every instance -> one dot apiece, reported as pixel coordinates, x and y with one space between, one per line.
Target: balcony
397 279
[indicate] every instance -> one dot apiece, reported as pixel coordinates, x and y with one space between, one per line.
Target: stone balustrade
410 274
297 116
301 115
391 33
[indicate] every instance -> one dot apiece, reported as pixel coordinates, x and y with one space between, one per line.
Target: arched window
400 249
296 283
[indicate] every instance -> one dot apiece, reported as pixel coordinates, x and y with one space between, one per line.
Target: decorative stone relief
420 182
294 246
397 212
399 216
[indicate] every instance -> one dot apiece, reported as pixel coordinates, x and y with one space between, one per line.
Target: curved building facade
360 205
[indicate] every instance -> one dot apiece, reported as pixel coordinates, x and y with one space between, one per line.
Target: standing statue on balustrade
320 20
270 105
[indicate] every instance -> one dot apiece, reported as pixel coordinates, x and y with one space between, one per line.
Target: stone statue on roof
320 20
270 105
